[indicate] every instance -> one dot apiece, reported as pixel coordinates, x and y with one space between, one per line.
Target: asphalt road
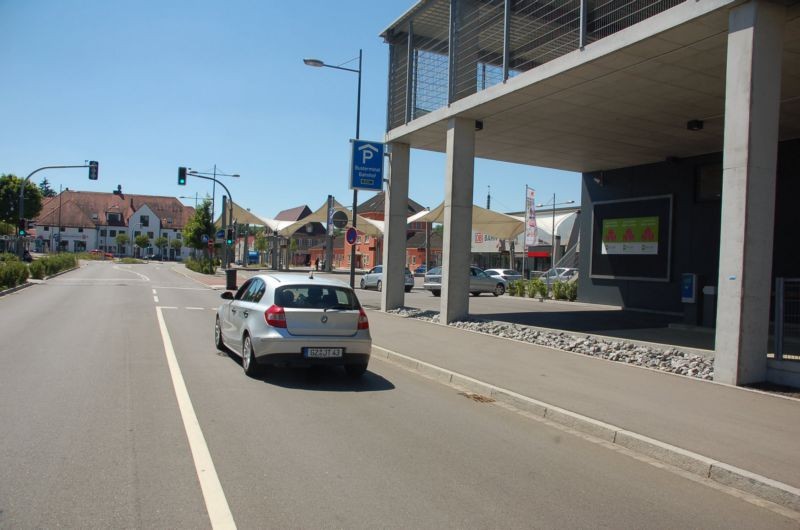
93 435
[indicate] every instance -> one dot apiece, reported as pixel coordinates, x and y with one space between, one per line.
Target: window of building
414 259
366 239
366 259
61 228
177 235
102 233
80 230
46 228
112 233
169 220
144 220
113 217
358 240
136 233
150 235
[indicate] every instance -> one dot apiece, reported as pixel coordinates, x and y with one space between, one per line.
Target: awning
489 222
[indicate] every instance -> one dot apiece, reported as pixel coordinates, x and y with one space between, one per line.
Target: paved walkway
751 430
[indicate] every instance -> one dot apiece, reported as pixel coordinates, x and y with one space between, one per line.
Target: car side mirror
227 295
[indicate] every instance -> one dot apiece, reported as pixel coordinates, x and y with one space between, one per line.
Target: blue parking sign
366 165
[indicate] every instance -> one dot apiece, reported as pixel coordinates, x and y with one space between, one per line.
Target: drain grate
480 398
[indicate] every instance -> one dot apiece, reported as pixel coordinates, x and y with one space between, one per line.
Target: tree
141 241
122 240
176 245
198 226
261 245
161 244
7 229
9 199
45 189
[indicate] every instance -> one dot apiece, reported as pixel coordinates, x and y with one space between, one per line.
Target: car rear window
316 297
434 271
509 272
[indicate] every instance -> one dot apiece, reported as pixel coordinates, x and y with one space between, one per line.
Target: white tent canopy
369 227
489 222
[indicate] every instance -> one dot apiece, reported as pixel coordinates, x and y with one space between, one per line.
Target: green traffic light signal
181 176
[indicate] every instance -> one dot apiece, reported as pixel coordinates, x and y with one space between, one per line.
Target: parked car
374 279
562 274
98 252
421 270
479 282
289 319
508 275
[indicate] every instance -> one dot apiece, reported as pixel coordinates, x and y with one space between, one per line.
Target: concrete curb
211 287
15 289
697 464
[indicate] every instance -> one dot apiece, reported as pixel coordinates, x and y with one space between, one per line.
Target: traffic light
229 237
181 176
22 225
93 167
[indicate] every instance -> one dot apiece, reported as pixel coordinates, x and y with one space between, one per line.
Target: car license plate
323 353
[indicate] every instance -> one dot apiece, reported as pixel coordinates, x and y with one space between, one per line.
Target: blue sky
144 87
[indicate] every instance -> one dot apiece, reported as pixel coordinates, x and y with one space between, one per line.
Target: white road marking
216 504
195 308
155 299
154 291
145 278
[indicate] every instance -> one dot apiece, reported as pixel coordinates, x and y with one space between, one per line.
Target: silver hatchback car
292 319
374 278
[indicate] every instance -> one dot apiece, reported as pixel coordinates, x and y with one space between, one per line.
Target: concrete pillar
752 101
395 226
456 244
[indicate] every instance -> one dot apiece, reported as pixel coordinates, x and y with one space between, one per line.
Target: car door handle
245 313
233 311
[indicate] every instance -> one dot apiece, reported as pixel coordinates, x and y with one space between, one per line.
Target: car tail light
275 316
363 321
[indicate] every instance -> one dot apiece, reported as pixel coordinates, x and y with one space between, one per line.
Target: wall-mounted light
598 179
694 125
478 125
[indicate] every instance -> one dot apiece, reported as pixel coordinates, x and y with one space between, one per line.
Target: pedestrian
316 264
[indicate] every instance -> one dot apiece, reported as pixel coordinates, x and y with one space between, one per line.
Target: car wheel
218 336
355 370
499 290
379 286
363 284
436 293
475 293
408 288
248 358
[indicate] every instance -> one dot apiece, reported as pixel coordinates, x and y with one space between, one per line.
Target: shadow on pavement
325 378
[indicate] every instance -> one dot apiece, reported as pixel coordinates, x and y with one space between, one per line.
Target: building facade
79 221
660 104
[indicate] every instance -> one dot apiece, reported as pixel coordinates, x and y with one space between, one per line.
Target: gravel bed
670 360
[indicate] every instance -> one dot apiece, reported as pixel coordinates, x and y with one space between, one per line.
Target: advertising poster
633 235
530 217
631 238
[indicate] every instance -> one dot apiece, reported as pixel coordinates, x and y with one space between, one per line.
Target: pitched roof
294 214
88 209
377 204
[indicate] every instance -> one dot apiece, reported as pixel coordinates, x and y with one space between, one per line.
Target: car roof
287 278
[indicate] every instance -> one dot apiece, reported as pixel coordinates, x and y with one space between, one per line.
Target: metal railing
787 319
450 49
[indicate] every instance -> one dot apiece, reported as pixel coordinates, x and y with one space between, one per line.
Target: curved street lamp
317 63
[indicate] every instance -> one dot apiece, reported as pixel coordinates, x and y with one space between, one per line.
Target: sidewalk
753 431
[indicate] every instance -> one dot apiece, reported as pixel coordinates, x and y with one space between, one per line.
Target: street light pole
317 63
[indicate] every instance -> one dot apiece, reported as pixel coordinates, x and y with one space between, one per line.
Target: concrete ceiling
623 108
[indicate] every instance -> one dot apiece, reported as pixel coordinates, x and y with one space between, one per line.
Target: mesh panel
539 31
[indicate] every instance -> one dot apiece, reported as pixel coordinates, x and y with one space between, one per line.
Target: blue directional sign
220 234
204 238
366 165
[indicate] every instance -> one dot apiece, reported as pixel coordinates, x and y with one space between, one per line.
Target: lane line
155 299
183 288
154 291
145 278
195 308
216 504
